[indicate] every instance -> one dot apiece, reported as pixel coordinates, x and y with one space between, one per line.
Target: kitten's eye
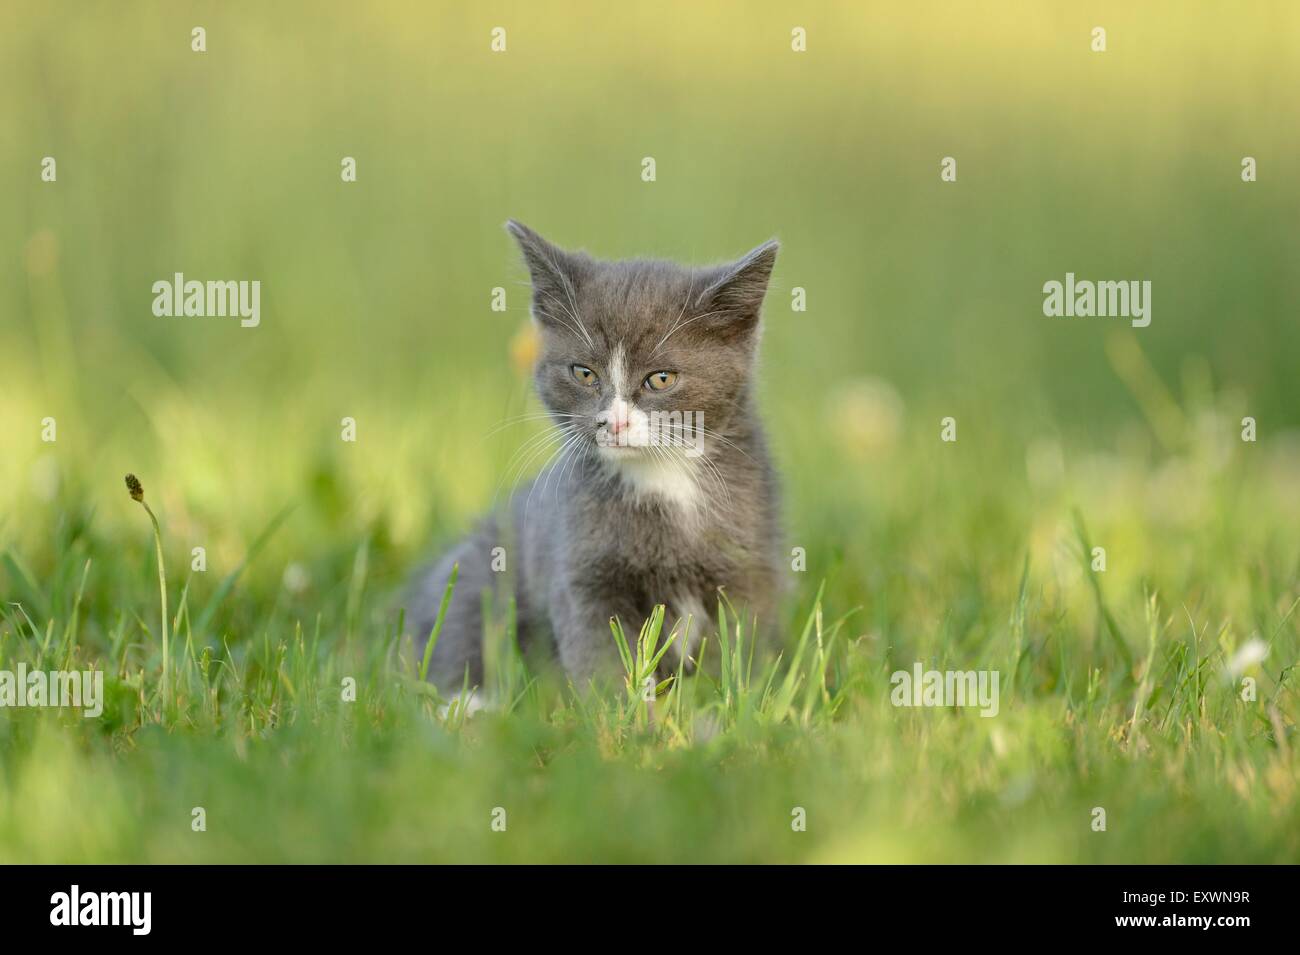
584 375
661 380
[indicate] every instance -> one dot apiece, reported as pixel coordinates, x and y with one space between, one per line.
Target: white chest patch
670 481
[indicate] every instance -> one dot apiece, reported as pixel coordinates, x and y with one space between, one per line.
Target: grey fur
586 542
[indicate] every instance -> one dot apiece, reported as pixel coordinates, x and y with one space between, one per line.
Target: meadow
1160 689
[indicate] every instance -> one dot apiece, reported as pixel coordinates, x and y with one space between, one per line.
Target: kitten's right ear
552 269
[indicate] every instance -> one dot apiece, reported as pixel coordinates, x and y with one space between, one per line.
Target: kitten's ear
735 292
553 270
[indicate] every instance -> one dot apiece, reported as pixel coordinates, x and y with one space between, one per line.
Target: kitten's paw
466 704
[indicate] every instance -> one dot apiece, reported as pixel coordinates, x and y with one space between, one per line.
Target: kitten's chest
663 538
693 527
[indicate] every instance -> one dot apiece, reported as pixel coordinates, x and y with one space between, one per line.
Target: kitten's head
630 349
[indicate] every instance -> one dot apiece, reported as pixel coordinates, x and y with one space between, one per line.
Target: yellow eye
584 375
661 380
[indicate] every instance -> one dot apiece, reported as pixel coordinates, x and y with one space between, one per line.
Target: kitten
664 492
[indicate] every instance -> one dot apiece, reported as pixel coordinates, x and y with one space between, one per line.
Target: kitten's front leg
686 613
580 616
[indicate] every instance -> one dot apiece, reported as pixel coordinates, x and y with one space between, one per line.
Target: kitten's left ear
735 292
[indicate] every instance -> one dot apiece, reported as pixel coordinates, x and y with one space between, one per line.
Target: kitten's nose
616 417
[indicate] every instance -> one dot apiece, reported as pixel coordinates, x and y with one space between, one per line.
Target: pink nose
618 417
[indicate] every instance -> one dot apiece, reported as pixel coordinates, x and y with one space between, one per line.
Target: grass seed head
135 487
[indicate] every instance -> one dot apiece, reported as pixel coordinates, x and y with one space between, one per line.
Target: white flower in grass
1249 654
296 578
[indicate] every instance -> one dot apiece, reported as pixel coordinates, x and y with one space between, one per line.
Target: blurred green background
376 294
924 297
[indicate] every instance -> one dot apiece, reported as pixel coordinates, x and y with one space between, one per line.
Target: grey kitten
664 493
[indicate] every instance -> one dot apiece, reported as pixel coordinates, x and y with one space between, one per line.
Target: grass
1120 688
136 491
1113 696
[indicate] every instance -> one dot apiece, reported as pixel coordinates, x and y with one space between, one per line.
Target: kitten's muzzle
616 418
